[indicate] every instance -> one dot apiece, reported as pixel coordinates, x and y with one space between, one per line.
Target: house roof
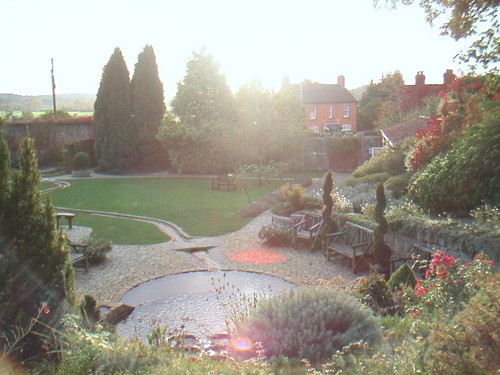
397 132
311 93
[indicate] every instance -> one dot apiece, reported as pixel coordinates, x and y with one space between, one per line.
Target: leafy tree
36 273
114 145
477 19
148 107
199 132
369 107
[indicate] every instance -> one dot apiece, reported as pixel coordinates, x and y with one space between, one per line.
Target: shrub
374 292
373 178
310 323
276 235
90 313
404 276
97 250
390 160
398 184
81 160
471 340
467 175
295 195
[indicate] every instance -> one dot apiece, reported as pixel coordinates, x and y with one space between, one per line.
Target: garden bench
354 242
419 258
307 229
68 215
227 182
79 253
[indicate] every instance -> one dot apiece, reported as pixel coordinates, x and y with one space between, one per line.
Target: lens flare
242 344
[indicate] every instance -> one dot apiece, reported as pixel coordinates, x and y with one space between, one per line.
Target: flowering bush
449 284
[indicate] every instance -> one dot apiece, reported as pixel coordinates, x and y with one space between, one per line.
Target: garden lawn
187 202
121 231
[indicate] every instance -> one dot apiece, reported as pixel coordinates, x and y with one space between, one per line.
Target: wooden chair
307 229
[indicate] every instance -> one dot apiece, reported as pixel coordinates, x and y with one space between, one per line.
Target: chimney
341 81
285 82
420 79
448 76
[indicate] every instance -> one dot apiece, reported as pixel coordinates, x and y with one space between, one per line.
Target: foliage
374 291
466 19
89 312
276 235
345 145
309 323
148 108
199 133
360 195
404 276
114 147
295 195
374 178
487 215
398 185
81 160
4 178
390 159
470 341
35 267
262 171
97 250
381 250
467 175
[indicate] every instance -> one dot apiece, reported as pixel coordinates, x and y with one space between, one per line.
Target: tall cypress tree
37 276
114 145
148 108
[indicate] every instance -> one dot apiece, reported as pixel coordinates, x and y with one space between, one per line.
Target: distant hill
31 103
358 92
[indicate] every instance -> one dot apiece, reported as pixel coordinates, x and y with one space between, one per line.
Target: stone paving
129 266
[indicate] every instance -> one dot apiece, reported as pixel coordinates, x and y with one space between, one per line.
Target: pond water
197 301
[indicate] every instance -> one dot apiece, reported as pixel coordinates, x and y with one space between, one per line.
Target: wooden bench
307 229
68 215
79 253
224 182
354 242
419 258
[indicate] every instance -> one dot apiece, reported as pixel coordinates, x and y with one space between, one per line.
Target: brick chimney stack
341 81
420 79
448 76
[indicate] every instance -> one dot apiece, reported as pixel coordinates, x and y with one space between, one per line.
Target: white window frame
312 113
346 128
330 111
346 110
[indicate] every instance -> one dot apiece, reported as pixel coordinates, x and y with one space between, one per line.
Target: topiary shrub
404 275
81 160
374 292
398 184
381 250
309 323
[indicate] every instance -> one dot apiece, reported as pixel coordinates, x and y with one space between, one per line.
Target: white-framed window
330 111
315 129
346 127
312 113
346 110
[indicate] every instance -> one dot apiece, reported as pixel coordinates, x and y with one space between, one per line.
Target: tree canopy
148 107
477 19
114 145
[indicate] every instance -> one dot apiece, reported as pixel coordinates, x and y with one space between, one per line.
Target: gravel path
130 265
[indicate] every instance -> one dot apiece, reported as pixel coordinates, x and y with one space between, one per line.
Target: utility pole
53 86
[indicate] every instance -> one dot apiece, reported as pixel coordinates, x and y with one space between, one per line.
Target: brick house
414 95
330 108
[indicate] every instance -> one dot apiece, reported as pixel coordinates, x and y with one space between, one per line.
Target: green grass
121 231
187 202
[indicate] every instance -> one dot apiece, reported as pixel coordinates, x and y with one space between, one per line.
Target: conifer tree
148 107
114 147
37 276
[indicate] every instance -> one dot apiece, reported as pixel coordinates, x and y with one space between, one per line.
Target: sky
261 40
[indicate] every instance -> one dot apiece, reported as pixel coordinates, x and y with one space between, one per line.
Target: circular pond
197 301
